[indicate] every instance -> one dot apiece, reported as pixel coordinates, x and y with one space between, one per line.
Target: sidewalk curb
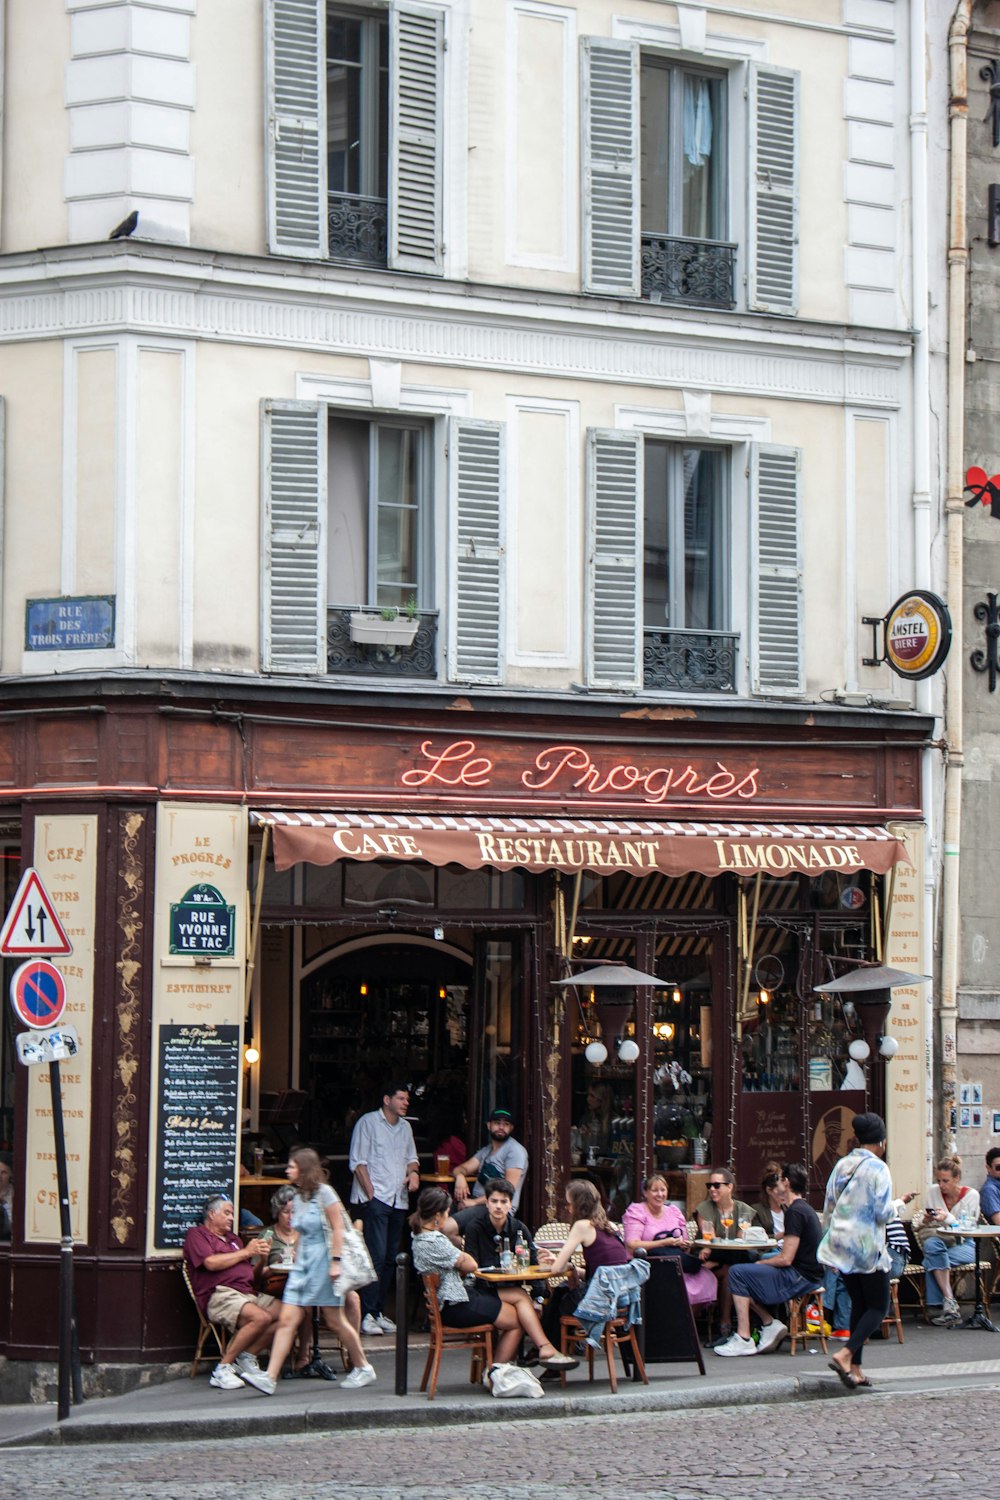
218 1426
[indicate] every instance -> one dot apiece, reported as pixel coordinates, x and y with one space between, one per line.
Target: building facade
450 453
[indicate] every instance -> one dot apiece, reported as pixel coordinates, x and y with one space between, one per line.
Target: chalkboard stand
668 1334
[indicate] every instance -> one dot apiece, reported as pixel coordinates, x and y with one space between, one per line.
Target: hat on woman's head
869 1129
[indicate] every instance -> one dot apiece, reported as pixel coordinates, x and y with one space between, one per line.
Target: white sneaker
246 1361
949 1314
363 1375
735 1346
260 1380
371 1325
225 1378
771 1335
386 1324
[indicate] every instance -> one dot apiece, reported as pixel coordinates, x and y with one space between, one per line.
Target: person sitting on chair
222 1279
792 1272
485 1233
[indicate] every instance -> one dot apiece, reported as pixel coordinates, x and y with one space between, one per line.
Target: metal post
402 1320
66 1319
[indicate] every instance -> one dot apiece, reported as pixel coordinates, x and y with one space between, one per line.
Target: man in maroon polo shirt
222 1279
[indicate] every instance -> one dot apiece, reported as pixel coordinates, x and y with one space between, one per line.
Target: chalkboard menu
197 1138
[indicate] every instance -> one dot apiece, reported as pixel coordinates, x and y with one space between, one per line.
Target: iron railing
345 657
690 661
358 227
675 270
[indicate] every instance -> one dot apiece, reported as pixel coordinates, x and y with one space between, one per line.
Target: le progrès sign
202 924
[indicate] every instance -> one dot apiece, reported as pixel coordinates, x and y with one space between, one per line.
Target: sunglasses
712 1185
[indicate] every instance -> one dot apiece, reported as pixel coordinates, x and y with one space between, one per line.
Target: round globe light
628 1051
859 1050
888 1046
596 1053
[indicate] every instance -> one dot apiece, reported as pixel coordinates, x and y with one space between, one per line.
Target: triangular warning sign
32 927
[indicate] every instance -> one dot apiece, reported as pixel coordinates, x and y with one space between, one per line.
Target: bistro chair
616 1334
892 1318
798 1323
478 1339
220 1334
553 1236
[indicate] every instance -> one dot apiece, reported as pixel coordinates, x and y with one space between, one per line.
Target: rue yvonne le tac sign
202 924
83 623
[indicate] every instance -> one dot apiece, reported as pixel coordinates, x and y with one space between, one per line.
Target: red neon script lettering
451 766
652 783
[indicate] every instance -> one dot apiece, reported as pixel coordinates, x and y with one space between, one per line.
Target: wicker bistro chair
798 1324
220 1334
553 1236
478 1339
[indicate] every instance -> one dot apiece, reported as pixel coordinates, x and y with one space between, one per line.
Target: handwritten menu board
197 1137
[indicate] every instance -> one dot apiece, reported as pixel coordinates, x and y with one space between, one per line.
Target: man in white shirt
386 1170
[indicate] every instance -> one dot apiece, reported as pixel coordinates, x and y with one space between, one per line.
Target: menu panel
198 1115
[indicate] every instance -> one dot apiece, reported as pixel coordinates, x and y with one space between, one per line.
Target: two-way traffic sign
32 926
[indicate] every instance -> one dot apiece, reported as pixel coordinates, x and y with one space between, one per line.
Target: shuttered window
296 127
610 167
772 273
415 127
293 543
777 571
476 467
329 153
614 555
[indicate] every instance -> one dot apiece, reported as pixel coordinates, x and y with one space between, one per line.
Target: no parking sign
38 994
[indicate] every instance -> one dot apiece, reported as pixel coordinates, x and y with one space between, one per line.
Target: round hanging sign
917 634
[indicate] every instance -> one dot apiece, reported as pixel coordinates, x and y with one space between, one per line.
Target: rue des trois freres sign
652 813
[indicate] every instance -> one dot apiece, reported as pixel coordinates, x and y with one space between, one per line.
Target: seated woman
589 1232
769 1213
659 1228
946 1199
510 1310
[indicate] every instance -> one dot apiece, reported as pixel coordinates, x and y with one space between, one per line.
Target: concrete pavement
191 1410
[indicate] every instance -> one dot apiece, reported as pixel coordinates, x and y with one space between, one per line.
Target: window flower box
369 628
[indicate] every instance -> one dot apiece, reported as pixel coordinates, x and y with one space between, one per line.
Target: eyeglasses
712 1185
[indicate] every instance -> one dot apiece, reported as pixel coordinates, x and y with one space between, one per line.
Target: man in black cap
502 1156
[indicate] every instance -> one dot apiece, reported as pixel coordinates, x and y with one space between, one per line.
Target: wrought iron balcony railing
690 661
358 228
700 271
347 657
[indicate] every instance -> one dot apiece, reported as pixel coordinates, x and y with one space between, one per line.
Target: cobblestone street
845 1446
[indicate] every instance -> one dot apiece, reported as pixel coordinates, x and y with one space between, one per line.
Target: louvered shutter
777 570
477 479
296 127
772 175
415 216
610 118
293 544
614 557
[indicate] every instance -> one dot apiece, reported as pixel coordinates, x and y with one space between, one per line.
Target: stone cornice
155 291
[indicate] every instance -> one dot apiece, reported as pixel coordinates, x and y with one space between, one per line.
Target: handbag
512 1380
356 1269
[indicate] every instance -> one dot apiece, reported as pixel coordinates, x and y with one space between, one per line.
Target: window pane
703 152
656 539
347 533
343 38
396 538
705 590
343 126
654 143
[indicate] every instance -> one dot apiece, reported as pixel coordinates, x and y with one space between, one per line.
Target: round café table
979 1318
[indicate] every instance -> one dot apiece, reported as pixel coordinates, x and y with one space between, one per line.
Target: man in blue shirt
989 1195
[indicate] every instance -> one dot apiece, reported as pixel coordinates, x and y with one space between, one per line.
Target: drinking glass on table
744 1226
727 1224
708 1233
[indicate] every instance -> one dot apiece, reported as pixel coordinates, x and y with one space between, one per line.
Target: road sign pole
66 1343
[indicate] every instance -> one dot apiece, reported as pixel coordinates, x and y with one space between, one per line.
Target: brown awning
628 846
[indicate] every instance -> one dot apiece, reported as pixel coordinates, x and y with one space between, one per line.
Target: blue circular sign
38 993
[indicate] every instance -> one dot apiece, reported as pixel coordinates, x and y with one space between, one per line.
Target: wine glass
727 1222
744 1226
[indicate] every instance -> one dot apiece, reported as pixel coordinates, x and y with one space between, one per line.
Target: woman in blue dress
317 1215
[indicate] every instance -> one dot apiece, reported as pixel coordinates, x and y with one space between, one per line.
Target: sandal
559 1362
844 1376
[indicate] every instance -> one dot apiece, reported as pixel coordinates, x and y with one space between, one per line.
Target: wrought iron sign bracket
878 651
991 74
987 661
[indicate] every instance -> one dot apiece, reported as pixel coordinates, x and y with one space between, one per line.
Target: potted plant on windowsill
389 627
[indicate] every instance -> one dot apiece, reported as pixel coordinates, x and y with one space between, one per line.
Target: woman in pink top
658 1227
